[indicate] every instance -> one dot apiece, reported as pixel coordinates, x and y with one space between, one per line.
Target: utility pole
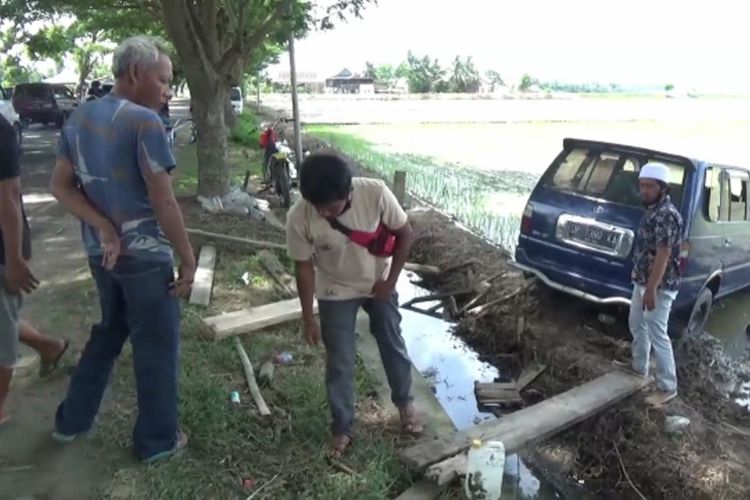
295 103
257 84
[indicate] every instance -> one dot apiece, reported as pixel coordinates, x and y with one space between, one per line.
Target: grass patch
229 444
241 159
247 130
479 199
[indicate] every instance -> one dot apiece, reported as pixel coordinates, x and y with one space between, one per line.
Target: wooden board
254 318
528 375
278 273
534 423
236 239
204 277
488 386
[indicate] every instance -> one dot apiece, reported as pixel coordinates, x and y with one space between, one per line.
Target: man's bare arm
658 268
11 218
169 215
400 252
305 274
64 187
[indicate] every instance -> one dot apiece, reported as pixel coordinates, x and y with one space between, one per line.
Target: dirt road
59 472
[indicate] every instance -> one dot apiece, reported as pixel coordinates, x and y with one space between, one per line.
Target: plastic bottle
484 470
234 397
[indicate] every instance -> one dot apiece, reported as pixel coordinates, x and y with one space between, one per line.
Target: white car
7 110
238 103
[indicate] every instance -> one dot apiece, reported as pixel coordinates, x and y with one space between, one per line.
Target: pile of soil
625 450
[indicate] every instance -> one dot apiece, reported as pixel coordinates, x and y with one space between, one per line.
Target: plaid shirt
661 226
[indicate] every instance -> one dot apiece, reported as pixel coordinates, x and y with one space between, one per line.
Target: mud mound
624 451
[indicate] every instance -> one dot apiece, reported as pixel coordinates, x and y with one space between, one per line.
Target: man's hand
649 299
19 278
382 290
110 242
311 331
184 284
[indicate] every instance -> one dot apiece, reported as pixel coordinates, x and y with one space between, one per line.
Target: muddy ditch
624 451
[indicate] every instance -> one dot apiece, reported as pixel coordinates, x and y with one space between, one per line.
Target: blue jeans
338 319
649 329
135 303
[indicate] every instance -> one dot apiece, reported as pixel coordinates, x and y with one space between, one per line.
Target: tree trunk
209 112
209 91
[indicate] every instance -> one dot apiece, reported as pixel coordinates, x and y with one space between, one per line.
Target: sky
699 46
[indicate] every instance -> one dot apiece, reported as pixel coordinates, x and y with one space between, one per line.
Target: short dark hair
325 178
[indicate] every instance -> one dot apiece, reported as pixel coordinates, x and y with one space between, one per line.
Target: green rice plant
462 192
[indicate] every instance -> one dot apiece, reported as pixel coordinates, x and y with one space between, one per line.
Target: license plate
593 235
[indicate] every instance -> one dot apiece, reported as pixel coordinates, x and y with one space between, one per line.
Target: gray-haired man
113 173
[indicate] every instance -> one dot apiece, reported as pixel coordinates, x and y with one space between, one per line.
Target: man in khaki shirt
346 276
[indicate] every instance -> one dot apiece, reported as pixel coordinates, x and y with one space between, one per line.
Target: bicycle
179 124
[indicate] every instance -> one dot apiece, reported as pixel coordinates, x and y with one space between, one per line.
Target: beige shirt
343 269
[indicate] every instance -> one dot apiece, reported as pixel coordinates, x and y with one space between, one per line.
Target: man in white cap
656 279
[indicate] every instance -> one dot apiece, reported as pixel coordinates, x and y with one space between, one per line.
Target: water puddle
451 367
730 323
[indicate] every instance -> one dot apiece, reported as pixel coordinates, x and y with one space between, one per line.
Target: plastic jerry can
485 465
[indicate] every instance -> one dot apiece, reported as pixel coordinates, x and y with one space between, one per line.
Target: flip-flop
659 398
47 369
179 446
337 446
411 422
4 420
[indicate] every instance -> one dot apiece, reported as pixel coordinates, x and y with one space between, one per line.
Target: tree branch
209 11
244 40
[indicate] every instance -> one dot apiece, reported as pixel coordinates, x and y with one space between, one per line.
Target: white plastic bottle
484 470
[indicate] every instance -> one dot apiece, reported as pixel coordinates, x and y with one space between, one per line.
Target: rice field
482 174
487 202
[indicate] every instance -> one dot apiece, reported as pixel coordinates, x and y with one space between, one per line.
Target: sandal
411 422
180 444
4 420
337 446
659 398
47 369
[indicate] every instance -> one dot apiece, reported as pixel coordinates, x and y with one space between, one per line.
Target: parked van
7 110
578 228
238 103
43 103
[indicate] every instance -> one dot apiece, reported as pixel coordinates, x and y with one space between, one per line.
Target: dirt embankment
624 450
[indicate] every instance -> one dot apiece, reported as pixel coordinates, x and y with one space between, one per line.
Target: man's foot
337 445
659 398
628 368
63 438
411 422
4 419
179 446
49 365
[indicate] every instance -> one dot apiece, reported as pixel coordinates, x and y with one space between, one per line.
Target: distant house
307 80
346 82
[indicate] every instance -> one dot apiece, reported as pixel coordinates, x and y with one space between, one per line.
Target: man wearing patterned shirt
656 279
113 173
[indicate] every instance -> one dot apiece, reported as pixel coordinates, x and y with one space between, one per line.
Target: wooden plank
236 239
250 377
421 490
419 268
254 318
278 273
204 277
484 386
528 375
534 423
